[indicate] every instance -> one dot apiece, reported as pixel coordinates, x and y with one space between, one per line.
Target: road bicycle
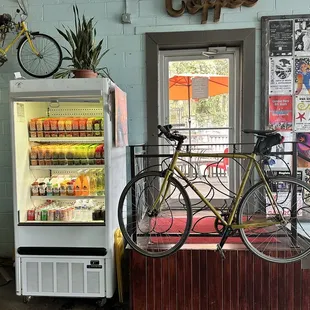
38 54
271 217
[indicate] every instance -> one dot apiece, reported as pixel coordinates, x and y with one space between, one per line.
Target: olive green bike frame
252 163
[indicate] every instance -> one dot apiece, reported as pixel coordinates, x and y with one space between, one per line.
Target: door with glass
200 98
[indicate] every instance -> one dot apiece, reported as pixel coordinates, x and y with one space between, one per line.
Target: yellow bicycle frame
23 31
252 163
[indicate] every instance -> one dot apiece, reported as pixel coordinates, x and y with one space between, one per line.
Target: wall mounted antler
194 6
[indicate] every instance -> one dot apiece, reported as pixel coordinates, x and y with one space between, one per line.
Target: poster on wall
302 76
302 113
303 148
281 38
281 75
121 130
280 112
302 36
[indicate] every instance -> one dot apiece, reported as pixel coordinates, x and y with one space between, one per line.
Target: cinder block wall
126 60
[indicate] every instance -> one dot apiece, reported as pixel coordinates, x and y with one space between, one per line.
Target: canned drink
64 215
37 215
51 215
57 215
31 215
44 215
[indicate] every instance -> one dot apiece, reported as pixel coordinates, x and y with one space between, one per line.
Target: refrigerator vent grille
75 112
62 277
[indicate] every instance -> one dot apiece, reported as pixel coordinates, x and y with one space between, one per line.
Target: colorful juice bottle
68 127
75 127
100 182
89 127
39 124
61 127
92 182
78 185
97 127
86 184
82 127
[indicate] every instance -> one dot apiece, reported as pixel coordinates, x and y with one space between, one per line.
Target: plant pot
82 73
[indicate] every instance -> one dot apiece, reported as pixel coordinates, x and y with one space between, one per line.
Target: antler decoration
194 6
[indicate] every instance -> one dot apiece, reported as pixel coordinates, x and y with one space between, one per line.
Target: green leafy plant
85 54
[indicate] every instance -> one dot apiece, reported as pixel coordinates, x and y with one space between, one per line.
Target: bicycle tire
48 72
123 226
284 245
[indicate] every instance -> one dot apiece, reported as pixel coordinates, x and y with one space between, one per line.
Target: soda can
63 215
31 215
44 215
37 215
51 215
57 215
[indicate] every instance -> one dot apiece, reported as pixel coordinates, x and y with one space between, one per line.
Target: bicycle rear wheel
46 63
151 234
279 242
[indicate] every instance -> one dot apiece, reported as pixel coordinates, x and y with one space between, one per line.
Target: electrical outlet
126 18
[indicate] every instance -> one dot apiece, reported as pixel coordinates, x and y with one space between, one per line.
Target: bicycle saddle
260 132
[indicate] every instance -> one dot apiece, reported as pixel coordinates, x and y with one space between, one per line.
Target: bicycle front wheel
46 63
159 231
270 237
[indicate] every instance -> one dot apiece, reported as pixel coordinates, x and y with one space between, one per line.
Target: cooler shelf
65 197
66 167
68 139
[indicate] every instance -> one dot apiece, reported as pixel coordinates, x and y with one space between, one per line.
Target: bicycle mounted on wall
39 55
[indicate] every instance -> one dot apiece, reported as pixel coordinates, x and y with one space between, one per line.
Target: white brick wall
126 59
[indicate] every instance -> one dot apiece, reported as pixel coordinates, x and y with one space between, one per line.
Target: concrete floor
9 301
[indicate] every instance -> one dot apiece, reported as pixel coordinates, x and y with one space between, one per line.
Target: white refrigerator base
84 277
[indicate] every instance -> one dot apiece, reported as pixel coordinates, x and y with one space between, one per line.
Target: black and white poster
302 37
281 37
281 76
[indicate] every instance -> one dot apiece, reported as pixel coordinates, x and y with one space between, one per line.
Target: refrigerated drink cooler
67 178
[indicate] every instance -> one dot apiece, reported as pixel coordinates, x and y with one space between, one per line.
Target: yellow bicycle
38 54
272 217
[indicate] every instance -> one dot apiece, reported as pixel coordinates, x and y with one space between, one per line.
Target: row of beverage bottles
67 154
86 183
80 211
66 127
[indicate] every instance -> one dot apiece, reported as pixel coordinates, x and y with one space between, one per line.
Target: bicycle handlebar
165 130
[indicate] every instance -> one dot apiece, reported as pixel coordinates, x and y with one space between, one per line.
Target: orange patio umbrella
180 86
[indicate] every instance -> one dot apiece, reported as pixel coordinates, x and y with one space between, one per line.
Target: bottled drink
100 182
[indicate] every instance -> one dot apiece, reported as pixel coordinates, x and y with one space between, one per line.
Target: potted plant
85 54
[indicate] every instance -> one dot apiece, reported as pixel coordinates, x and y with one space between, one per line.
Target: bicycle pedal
220 250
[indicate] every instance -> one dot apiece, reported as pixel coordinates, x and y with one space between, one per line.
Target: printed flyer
302 36
280 112
302 113
302 76
281 76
